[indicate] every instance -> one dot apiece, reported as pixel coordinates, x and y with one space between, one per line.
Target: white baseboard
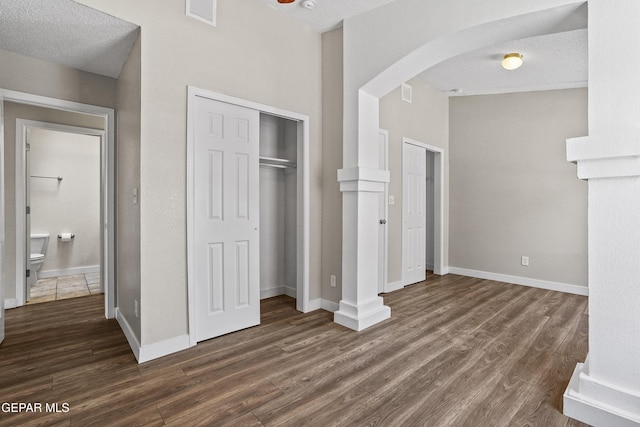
129 334
290 292
594 411
524 281
69 271
322 304
10 303
271 292
152 351
278 290
163 348
330 306
393 286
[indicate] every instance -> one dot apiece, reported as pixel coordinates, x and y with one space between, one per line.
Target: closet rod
59 178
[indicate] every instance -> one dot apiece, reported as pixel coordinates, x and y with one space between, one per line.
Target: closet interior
278 206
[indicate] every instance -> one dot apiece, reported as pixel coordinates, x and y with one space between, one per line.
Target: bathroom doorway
62 238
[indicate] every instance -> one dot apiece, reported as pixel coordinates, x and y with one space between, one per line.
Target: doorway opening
422 210
58 180
106 171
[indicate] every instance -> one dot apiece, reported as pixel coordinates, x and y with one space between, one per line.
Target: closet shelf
277 163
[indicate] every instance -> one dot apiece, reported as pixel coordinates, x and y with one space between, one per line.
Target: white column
605 390
360 183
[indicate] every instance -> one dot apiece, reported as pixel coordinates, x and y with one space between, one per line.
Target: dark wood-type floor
456 352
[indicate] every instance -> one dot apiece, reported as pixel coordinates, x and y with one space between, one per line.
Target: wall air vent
203 10
407 93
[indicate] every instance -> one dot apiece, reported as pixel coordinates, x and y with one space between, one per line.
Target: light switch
392 200
134 195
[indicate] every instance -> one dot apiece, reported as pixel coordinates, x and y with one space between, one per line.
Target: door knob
383 221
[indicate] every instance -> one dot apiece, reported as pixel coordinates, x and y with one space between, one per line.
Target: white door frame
438 228
21 203
302 297
107 180
384 262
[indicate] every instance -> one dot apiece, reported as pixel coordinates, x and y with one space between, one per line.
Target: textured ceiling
554 61
67 33
327 14
77 36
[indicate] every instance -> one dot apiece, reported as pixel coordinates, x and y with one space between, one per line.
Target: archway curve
377 59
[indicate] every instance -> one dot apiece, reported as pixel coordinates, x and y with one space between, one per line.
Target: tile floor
63 287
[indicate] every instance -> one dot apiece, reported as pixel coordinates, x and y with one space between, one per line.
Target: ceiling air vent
202 10
407 93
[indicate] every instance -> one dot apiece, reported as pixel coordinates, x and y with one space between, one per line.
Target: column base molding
590 401
359 317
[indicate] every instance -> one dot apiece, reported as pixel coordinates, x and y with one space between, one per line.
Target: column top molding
606 156
362 179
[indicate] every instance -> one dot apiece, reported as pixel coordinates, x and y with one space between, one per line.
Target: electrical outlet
333 281
525 261
136 308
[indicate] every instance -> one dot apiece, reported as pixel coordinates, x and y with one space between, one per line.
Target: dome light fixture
512 61
309 4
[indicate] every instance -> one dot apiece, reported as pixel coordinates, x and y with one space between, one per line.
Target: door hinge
28 210
28 147
28 273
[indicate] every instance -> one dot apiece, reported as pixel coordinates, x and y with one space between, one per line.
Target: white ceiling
67 33
71 34
555 61
327 14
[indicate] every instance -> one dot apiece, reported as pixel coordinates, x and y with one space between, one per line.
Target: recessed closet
278 206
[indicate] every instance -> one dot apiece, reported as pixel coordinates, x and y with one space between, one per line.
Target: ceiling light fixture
309 4
512 61
286 1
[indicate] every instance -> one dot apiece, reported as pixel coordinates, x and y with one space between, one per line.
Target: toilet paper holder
60 236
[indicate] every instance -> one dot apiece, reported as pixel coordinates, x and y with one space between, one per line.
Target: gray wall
68 206
128 178
425 120
254 53
512 191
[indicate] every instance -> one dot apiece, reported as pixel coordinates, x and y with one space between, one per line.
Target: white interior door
383 150
414 213
226 218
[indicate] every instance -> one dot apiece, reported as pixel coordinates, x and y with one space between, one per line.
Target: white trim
323 304
303 199
438 210
393 286
385 249
10 303
129 334
145 353
69 271
163 348
330 306
597 413
108 164
277 291
524 281
315 304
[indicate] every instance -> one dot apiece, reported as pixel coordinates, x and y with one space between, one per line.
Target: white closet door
414 207
226 181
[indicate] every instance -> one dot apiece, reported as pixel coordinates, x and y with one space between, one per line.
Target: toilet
38 250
